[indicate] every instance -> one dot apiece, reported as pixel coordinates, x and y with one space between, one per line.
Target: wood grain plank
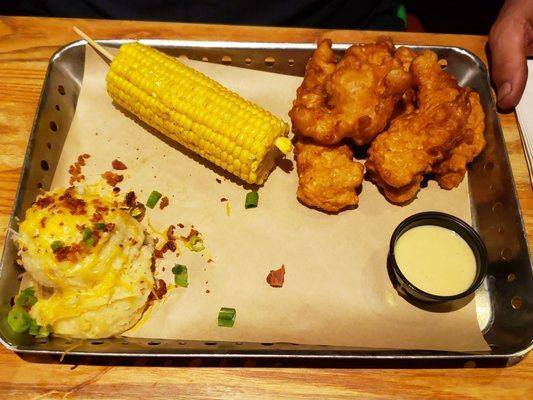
26 44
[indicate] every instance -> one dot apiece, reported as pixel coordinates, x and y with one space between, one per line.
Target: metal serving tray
504 303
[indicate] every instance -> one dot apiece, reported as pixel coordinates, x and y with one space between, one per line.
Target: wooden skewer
282 143
95 45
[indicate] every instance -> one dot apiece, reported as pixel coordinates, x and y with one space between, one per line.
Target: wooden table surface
26 45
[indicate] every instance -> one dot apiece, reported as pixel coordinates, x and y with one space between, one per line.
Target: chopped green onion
26 298
43 331
252 198
226 317
196 243
57 245
138 211
18 319
88 238
153 199
100 226
180 275
34 328
87 233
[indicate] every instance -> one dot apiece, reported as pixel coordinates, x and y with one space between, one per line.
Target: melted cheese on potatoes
89 259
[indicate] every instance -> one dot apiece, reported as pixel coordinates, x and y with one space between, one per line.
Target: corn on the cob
197 112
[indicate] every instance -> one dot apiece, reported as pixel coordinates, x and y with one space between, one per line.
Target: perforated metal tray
504 303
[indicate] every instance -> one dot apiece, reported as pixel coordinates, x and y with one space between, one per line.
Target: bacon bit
82 158
192 233
181 225
70 253
102 209
118 165
111 178
44 202
77 178
276 277
109 227
218 180
223 199
97 217
75 169
164 202
170 232
169 245
158 253
158 291
116 189
131 199
74 205
95 236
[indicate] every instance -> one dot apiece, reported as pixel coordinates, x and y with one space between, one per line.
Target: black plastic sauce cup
446 221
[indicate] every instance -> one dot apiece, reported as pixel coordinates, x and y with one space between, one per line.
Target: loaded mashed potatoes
89 261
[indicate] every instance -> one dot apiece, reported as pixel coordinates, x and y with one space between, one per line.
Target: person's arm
511 41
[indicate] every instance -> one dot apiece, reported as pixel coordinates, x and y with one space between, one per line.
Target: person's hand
511 41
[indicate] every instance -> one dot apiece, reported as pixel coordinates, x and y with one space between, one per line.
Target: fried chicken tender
450 173
353 98
328 176
441 136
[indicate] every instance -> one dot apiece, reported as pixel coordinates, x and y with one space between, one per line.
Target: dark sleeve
333 14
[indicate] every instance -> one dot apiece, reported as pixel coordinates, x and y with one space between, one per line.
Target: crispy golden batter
353 98
441 136
451 172
406 57
328 176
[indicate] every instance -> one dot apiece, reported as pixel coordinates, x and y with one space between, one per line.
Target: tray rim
512 358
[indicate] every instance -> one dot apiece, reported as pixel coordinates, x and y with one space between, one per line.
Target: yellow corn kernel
197 111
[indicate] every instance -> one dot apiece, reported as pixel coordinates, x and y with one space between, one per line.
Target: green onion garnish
87 233
196 243
100 226
180 275
18 319
57 244
153 199
226 317
252 198
88 238
44 331
34 328
26 299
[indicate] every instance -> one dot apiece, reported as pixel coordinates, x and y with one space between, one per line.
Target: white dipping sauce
436 260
